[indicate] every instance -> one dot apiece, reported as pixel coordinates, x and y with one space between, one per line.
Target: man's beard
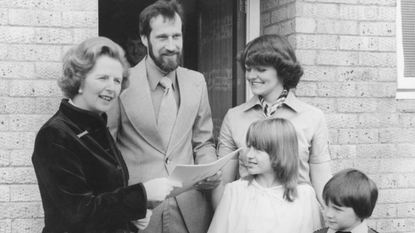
168 66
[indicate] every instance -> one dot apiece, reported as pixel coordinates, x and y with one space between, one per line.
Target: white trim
253 19
253 30
405 86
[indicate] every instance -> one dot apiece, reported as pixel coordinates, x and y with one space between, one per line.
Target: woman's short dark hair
352 188
273 50
80 60
165 8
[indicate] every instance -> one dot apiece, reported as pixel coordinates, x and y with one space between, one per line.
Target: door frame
253 30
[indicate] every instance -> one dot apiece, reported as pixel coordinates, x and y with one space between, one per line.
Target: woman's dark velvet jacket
82 176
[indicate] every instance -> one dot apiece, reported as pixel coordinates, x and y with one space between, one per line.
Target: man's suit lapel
189 98
137 103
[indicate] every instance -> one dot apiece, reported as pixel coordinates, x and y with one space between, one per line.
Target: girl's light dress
249 207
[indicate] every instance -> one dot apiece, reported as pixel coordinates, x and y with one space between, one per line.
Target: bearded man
154 136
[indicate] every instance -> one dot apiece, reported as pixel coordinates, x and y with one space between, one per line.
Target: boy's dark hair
352 188
165 8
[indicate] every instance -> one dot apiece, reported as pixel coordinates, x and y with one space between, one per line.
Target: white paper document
189 175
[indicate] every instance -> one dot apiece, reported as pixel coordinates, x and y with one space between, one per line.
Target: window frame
405 85
253 30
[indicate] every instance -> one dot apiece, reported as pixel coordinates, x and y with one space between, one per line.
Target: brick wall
34 34
347 48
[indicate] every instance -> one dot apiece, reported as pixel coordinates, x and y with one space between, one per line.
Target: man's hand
210 182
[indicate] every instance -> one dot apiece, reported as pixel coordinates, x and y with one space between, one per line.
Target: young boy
350 197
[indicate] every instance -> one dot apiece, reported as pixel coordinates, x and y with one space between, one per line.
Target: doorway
214 33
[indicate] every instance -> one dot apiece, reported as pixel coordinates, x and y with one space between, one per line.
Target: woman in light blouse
272 71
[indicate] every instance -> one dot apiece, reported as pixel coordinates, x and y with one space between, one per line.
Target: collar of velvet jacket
82 118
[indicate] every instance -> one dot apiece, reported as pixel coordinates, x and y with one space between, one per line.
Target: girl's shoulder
305 188
306 194
237 187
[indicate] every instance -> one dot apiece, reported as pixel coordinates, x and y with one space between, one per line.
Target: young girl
269 200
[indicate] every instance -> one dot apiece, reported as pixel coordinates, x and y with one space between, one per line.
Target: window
405 35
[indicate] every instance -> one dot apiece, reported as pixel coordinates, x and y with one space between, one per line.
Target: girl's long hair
278 138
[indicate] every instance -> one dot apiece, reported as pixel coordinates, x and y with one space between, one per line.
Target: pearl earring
80 91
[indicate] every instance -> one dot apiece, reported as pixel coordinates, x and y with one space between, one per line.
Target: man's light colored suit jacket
133 125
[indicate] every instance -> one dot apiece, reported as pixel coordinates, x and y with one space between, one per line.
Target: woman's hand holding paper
157 190
141 224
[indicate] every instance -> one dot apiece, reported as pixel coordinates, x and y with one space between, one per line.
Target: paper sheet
189 175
